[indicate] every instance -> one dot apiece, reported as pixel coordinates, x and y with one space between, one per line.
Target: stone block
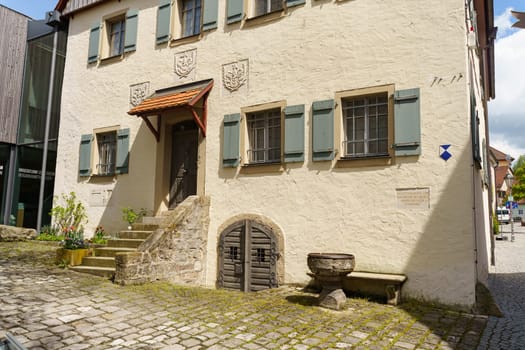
13 234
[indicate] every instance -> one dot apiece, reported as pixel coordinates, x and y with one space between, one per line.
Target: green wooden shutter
122 165
407 122
231 140
323 130
163 21
290 3
94 37
209 19
234 11
474 124
84 162
130 39
294 133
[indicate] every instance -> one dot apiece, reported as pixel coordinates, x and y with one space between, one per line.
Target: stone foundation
175 252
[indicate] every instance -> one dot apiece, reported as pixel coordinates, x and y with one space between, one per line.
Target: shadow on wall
135 189
444 257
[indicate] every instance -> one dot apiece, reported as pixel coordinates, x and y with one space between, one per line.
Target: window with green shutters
104 153
113 36
372 123
179 19
256 136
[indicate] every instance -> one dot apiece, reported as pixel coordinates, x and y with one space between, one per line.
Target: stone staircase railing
174 252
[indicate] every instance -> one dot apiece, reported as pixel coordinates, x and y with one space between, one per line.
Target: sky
35 9
506 111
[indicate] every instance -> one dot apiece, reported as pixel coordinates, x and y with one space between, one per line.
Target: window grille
107 149
366 126
264 130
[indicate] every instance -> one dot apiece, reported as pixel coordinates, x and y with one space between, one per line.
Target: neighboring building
13 38
349 126
26 53
502 168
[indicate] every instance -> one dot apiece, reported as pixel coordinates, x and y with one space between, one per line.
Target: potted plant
74 247
69 215
131 216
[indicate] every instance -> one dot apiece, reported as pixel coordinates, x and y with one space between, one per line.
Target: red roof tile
171 98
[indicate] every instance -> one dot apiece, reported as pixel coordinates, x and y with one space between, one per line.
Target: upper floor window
365 125
119 35
262 7
191 17
178 19
264 134
116 33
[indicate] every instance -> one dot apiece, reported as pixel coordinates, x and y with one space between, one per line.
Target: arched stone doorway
249 256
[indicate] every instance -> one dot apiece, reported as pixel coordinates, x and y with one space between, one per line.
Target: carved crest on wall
186 64
235 75
138 92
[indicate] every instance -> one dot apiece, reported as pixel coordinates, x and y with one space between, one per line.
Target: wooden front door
247 257
183 178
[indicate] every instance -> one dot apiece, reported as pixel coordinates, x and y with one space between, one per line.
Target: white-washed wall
309 54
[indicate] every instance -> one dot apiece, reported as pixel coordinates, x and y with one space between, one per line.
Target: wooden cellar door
247 257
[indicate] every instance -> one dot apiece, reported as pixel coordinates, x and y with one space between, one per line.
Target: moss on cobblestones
161 314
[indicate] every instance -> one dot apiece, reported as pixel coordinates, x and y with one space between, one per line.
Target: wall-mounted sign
413 198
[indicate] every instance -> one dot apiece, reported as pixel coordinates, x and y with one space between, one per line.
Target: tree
519 163
518 189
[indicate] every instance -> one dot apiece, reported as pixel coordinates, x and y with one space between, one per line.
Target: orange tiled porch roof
171 98
182 96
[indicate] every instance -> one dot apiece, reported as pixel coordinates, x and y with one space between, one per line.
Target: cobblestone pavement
46 307
507 285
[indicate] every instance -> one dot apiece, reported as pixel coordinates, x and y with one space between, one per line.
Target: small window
264 136
116 35
366 126
113 37
191 17
262 7
107 153
184 19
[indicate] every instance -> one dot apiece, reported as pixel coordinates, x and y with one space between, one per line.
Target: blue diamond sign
444 152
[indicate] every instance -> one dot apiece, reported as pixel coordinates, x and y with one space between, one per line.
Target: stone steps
112 251
137 234
99 261
107 272
102 263
125 243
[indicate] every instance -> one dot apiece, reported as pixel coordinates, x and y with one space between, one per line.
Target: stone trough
329 270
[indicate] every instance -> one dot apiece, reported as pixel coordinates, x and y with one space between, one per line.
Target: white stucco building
324 122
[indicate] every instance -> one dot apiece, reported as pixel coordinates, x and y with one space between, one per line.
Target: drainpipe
46 132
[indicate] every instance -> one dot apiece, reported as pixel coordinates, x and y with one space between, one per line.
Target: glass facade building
21 164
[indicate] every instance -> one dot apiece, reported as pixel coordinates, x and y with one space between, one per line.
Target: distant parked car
503 215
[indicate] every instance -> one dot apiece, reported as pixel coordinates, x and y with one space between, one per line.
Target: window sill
357 162
103 175
257 168
267 17
111 59
185 40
